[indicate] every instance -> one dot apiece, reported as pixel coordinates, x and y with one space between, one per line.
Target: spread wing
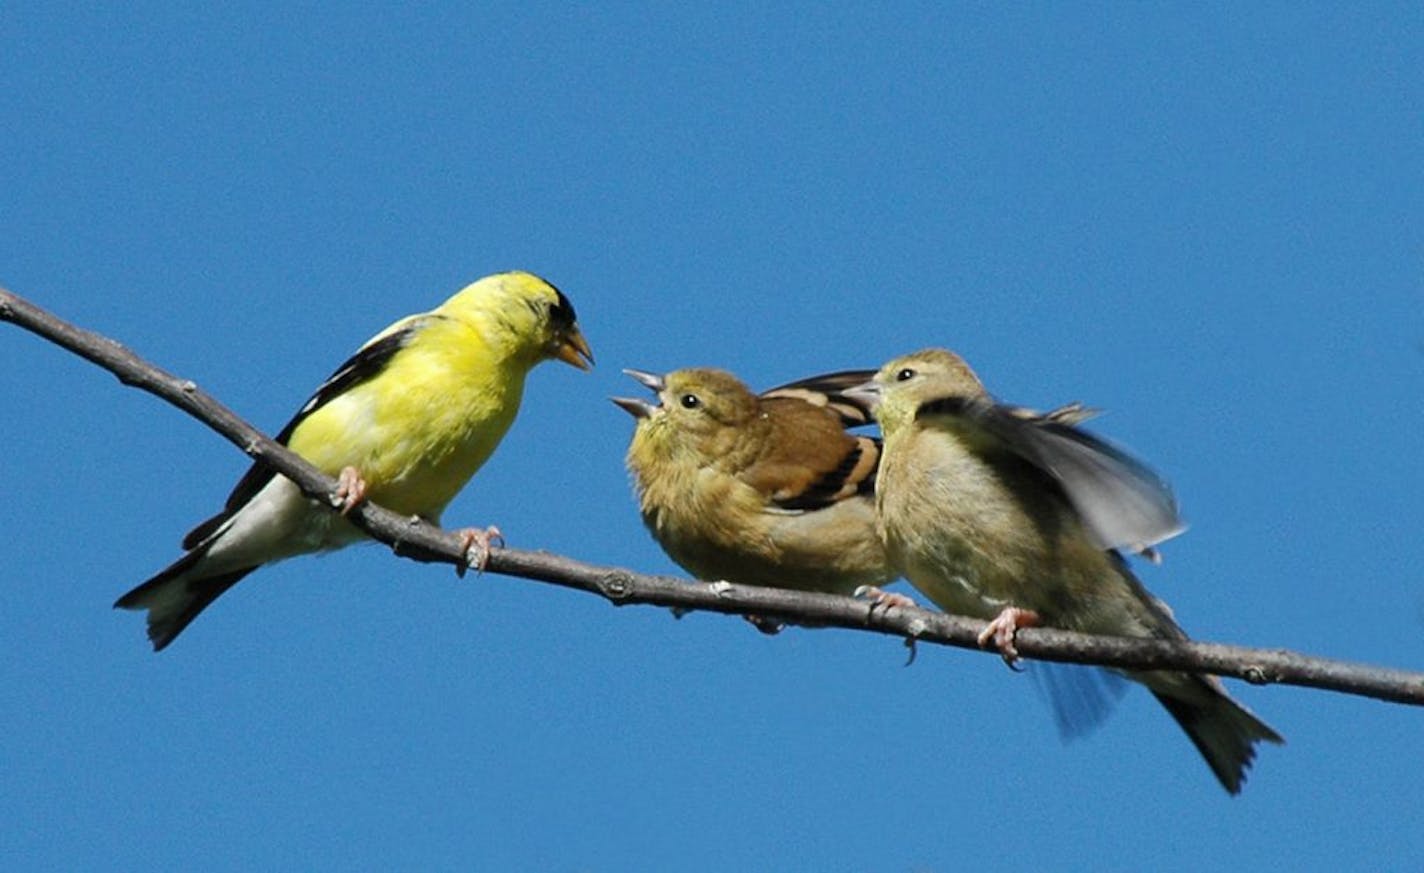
829 391
1123 503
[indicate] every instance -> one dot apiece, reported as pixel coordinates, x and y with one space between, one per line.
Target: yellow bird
994 514
756 490
405 423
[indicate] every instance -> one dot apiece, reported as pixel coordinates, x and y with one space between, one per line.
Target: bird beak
649 381
641 408
573 349
868 393
635 407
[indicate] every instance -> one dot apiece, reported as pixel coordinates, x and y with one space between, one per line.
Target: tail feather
177 595
1224 731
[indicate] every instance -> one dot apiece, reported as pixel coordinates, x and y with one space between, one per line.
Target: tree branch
424 542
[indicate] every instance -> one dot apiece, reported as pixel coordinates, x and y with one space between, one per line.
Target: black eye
689 401
905 375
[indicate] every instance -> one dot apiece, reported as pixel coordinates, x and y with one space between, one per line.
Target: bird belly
833 549
412 470
279 522
718 528
957 533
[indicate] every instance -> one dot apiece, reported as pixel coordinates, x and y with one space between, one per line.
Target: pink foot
1003 628
476 543
350 489
884 599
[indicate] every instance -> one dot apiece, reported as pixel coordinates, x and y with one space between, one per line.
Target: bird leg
1003 628
350 489
475 544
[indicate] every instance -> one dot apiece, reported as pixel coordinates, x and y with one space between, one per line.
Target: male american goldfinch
756 490
997 515
405 423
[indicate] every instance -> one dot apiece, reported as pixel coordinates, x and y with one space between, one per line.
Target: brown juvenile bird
757 490
1000 515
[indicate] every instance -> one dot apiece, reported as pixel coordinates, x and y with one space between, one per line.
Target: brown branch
420 541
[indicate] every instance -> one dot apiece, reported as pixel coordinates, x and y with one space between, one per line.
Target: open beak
635 407
641 408
650 381
573 350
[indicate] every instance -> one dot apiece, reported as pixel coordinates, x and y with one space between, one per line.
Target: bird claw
475 544
769 626
883 599
350 490
1002 630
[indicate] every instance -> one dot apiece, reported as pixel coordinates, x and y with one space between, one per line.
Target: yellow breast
420 429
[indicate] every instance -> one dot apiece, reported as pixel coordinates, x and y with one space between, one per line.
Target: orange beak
573 350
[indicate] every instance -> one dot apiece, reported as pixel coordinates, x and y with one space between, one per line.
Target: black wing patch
833 486
1123 503
828 391
361 367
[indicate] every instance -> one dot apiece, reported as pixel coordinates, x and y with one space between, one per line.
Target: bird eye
905 375
689 401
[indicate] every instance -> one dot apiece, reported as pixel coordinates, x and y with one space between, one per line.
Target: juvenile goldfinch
405 423
995 514
767 490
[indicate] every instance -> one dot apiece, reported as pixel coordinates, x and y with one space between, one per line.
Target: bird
769 489
1021 520
766 490
405 422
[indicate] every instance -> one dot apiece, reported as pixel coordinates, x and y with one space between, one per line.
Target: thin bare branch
420 541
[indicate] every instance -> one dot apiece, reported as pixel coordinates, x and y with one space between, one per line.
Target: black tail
1223 731
173 598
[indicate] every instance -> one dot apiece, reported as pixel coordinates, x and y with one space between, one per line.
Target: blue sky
1204 220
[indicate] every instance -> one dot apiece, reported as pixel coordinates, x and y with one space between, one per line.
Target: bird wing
1122 502
828 391
367 363
808 461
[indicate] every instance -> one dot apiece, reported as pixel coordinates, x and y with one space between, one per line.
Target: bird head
900 386
695 412
526 315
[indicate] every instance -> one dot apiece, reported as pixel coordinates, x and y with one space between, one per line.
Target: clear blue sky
1205 221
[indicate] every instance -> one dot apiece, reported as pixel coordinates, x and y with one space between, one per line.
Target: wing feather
368 362
1122 502
828 391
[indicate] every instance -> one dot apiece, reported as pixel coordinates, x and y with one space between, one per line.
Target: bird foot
884 599
769 626
1004 627
350 490
475 544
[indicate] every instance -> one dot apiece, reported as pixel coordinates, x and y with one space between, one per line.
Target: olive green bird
1020 520
766 490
